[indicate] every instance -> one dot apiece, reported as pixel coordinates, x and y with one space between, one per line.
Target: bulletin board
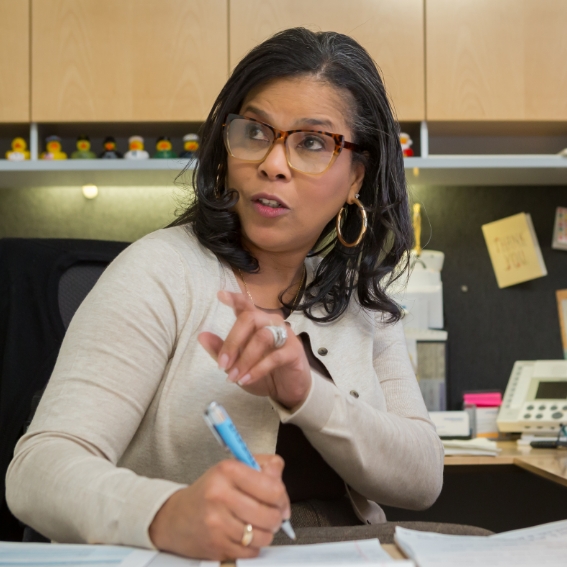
490 328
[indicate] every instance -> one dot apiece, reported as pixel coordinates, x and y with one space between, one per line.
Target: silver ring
279 333
247 535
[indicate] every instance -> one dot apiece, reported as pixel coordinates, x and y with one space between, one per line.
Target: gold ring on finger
247 535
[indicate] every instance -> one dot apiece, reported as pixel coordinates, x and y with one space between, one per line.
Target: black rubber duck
110 151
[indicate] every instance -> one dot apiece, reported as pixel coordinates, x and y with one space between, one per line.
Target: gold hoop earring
362 229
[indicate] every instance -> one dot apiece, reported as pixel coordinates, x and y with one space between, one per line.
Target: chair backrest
74 286
42 283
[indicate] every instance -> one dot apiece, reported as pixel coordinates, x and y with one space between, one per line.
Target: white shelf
487 170
448 170
119 172
432 170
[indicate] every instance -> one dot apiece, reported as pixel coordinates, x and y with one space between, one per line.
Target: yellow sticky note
514 250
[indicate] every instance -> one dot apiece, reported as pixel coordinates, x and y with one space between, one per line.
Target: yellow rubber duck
190 146
19 150
53 149
136 148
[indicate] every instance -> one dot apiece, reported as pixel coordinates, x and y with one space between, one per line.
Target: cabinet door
496 59
14 61
391 30
132 60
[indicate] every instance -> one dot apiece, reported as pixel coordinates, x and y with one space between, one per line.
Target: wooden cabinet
133 60
14 61
496 60
391 30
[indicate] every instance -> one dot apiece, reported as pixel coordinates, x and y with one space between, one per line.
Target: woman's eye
256 133
312 143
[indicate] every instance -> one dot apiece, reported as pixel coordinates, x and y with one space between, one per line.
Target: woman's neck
278 272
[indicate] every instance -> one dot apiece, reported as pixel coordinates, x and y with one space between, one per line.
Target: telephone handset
535 400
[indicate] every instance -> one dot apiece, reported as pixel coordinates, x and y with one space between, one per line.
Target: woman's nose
275 164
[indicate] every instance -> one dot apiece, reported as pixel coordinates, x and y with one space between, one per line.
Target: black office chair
74 285
42 283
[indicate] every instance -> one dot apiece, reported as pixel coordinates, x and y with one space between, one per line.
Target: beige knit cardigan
120 428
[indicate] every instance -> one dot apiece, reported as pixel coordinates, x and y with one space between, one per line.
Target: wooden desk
393 551
547 463
520 487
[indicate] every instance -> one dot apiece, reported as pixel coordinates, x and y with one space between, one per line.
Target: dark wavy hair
368 268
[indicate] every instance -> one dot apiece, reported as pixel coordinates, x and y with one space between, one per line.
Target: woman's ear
357 177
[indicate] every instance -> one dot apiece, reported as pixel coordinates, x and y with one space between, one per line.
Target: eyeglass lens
310 152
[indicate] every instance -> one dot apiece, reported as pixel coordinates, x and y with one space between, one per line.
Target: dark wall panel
490 328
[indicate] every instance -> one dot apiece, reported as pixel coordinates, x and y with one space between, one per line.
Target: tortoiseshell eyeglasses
308 151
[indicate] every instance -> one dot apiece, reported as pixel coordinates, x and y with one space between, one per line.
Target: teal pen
227 435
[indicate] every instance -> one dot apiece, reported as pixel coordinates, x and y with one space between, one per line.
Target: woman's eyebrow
315 122
257 111
300 122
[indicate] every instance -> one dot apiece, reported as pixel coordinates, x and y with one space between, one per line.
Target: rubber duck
83 149
163 149
190 146
136 148
53 149
19 150
110 151
406 142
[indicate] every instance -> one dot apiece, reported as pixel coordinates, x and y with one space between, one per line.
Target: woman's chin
271 241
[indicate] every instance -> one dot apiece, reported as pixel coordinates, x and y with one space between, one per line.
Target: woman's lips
267 211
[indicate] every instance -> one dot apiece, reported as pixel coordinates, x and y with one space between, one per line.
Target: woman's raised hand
207 519
249 357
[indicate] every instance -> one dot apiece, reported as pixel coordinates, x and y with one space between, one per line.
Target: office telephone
535 400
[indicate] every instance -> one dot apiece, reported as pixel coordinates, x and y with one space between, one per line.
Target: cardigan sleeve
64 480
392 457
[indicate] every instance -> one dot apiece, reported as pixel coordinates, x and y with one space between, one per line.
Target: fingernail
232 375
244 380
223 361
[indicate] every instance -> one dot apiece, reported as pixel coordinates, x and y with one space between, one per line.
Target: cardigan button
354 393
322 351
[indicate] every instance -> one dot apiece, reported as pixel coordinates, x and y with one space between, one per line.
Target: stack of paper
367 552
541 546
77 555
478 447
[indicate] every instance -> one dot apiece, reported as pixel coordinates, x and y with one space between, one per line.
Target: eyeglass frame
340 142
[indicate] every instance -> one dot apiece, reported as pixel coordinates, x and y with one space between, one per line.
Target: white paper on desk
345 553
79 555
541 546
75 555
478 447
554 531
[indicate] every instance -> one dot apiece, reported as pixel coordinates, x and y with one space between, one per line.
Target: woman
272 270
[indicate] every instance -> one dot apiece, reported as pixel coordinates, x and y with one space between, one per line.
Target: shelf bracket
424 139
34 142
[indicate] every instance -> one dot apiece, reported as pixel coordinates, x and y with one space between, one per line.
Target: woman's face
306 203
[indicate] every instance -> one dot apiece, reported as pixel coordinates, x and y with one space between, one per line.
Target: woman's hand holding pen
250 359
207 519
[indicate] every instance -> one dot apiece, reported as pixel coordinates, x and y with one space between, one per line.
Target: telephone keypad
542 412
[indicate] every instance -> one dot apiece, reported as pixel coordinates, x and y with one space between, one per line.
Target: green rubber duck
83 149
163 149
